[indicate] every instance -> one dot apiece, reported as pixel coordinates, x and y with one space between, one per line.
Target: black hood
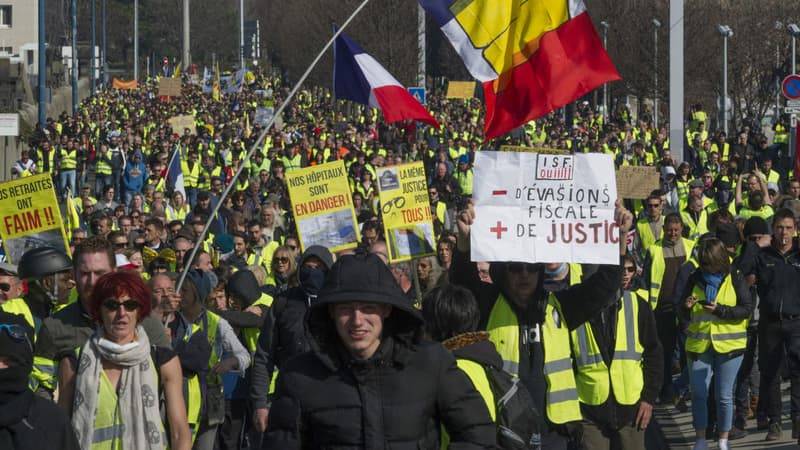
363 277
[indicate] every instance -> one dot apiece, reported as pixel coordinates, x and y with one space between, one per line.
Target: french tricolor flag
357 76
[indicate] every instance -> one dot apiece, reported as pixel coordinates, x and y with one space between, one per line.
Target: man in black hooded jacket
283 334
370 382
27 421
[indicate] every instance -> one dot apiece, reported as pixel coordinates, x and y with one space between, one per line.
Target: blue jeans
66 179
724 368
100 182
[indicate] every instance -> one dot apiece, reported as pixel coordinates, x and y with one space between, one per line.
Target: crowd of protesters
246 353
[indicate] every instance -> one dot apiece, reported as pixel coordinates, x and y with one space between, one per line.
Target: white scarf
137 394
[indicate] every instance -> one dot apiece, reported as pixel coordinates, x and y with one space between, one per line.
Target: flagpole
260 139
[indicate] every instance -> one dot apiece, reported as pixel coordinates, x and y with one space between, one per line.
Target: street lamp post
794 30
136 40
604 24
656 26
726 32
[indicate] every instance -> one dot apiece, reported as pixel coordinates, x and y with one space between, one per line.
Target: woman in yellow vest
717 305
112 390
177 208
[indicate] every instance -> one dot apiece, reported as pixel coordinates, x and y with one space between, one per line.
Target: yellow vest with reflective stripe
781 135
19 307
190 176
593 377
69 159
562 394
250 335
657 267
682 187
103 164
707 329
194 397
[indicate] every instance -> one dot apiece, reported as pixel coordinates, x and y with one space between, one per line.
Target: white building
19 28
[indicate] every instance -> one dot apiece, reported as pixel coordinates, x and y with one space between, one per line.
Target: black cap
728 234
755 225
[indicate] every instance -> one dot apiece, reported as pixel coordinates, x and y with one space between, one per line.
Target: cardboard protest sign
637 181
323 207
461 89
30 216
169 87
533 207
180 123
407 219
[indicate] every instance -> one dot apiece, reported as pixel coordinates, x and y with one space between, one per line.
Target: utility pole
93 65
676 79
103 57
74 20
136 40
42 67
187 58
421 39
241 34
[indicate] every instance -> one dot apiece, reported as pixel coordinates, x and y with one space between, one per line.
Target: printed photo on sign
323 207
406 210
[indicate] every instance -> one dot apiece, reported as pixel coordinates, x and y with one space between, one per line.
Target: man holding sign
531 327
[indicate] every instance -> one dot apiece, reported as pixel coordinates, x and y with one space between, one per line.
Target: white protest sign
536 207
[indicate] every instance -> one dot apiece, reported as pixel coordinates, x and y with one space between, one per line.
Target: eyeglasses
120 244
653 205
520 267
5 287
134 216
113 305
16 332
281 260
630 269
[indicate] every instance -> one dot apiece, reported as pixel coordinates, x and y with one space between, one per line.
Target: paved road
678 433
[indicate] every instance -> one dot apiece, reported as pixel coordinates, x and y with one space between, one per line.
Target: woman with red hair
112 392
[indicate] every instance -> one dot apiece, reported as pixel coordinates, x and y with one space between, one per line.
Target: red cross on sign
499 229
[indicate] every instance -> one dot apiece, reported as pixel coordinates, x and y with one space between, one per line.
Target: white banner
536 207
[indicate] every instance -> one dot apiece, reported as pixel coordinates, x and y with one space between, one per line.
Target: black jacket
29 422
282 337
327 400
777 279
396 399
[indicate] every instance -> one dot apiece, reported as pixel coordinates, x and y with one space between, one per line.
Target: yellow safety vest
19 307
103 164
250 335
695 229
177 214
108 426
69 159
190 176
465 180
194 398
705 329
646 236
562 394
477 374
682 187
657 267
625 374
781 135
765 212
